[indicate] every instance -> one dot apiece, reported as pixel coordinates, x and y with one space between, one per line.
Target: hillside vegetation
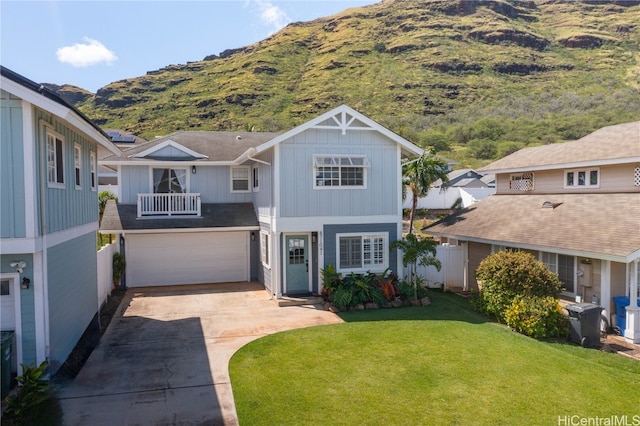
476 80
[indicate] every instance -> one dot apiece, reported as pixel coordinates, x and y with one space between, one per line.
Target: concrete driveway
164 357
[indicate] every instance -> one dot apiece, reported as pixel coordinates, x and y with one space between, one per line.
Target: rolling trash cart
584 324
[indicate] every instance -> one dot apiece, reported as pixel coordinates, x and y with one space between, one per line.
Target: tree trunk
414 205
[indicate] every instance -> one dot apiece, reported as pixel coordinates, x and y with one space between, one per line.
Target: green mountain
475 79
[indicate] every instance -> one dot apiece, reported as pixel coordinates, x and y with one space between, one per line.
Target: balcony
169 205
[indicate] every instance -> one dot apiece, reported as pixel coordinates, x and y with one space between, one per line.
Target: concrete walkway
164 358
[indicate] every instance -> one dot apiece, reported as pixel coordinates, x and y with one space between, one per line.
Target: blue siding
263 199
134 180
27 306
298 198
214 185
330 231
12 202
68 207
73 298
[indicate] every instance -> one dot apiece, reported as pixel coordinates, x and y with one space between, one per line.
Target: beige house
575 206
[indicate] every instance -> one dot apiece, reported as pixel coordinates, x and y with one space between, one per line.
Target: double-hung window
362 252
240 179
585 178
94 178
55 160
77 161
340 171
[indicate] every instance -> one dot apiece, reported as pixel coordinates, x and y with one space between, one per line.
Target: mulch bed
90 339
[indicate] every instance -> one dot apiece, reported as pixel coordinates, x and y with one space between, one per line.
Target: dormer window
582 178
521 182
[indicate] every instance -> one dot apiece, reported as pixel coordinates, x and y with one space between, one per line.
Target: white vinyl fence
105 271
451 274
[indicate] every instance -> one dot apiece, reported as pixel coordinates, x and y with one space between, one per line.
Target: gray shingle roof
217 146
609 143
606 224
123 217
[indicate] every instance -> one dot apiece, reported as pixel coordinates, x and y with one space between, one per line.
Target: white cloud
91 52
271 15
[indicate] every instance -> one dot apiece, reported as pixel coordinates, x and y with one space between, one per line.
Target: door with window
297 264
7 305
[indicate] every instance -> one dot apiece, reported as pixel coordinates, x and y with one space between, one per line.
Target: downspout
43 233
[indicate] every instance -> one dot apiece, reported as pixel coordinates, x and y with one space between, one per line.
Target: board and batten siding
298 198
134 180
27 306
263 197
213 183
73 293
329 240
613 178
12 191
265 273
66 207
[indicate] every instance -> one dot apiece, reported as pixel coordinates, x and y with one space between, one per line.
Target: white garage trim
187 258
14 288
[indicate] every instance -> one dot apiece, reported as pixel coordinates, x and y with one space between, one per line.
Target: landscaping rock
359 307
425 301
333 309
397 304
416 303
372 306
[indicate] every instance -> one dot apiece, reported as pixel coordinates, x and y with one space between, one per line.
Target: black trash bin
6 345
584 324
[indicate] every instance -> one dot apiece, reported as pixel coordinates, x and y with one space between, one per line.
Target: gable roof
609 145
214 147
43 98
593 225
345 119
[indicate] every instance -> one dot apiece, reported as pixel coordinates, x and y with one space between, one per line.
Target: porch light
25 283
193 169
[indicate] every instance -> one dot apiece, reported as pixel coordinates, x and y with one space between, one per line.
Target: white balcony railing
169 205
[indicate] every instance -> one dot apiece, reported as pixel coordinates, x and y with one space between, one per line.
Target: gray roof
605 224
608 144
217 146
123 217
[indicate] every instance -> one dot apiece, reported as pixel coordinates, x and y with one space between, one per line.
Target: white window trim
94 174
555 270
55 135
265 249
248 169
255 178
187 180
366 268
587 173
365 166
77 165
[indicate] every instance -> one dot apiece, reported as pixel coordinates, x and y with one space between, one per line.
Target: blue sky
93 43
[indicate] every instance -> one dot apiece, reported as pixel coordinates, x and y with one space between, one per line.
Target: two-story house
48 220
575 206
206 207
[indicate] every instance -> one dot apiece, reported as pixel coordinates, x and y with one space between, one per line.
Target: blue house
48 220
205 207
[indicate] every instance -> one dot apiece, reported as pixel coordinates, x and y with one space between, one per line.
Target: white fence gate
451 274
105 271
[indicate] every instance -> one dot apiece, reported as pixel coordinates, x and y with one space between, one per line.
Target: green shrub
537 317
508 274
356 289
32 392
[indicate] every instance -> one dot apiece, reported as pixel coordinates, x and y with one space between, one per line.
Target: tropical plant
119 265
419 175
32 392
417 251
507 275
330 280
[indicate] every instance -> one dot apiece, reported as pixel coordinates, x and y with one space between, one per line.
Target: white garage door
187 258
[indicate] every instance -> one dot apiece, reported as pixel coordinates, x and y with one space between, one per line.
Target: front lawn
440 364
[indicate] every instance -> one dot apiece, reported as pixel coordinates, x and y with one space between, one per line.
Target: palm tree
417 251
418 175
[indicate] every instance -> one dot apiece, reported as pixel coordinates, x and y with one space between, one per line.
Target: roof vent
550 205
238 138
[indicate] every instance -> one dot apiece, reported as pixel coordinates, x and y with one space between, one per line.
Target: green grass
441 364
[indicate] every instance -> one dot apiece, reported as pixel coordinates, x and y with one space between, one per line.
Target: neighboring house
466 186
575 206
204 207
48 220
108 177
